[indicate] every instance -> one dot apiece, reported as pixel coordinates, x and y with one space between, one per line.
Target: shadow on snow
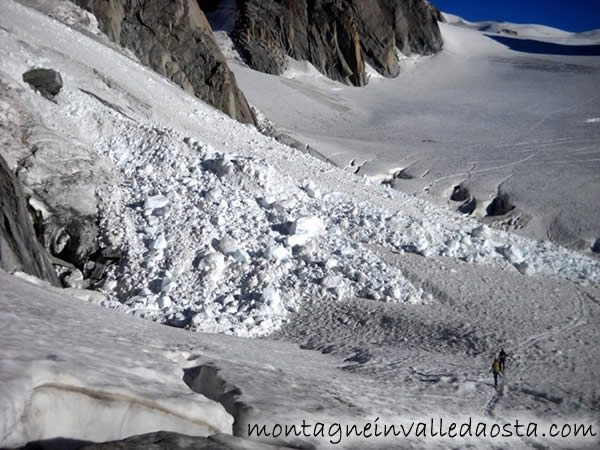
546 48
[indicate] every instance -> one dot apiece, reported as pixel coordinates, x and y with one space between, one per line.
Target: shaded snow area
378 305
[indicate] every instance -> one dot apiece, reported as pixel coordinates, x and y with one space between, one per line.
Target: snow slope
229 231
477 114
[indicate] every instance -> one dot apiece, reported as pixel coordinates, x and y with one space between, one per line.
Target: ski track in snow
489 169
577 321
574 323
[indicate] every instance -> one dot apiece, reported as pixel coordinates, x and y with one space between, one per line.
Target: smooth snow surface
228 231
495 120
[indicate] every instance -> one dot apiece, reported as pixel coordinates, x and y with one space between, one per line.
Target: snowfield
228 231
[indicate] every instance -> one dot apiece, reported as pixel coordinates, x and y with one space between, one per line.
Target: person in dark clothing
496 371
502 358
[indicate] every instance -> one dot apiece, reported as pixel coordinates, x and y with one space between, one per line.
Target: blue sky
570 15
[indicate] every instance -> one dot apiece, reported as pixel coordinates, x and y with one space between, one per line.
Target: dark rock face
208 5
163 440
19 248
174 39
415 25
47 81
337 36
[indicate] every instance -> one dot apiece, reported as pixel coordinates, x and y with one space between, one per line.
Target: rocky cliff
337 36
174 39
19 247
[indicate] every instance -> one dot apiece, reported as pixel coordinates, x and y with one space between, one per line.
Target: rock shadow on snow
500 206
468 203
545 48
55 444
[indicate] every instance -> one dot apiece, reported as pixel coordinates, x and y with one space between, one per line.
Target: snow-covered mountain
372 304
531 31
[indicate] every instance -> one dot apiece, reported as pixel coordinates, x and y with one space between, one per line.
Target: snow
125 377
56 377
477 114
227 231
157 201
198 193
536 31
160 243
305 229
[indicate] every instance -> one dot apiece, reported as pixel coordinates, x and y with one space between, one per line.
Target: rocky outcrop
47 82
415 25
337 36
19 247
174 39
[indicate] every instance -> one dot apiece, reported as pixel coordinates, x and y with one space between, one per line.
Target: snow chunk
156 202
305 229
512 253
241 256
228 246
160 243
332 281
95 297
311 226
165 302
278 253
271 298
40 207
394 292
213 266
75 280
311 189
481 231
